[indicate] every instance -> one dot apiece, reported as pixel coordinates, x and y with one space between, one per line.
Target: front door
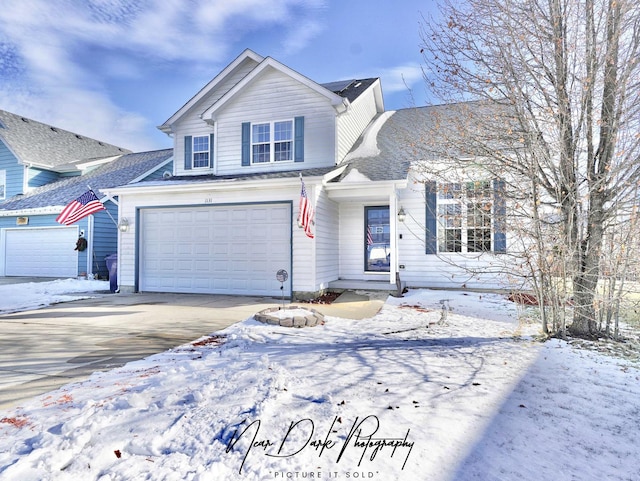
377 235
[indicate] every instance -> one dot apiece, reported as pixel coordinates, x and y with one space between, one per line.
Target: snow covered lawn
396 397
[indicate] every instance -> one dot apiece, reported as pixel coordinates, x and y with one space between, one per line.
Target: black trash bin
112 267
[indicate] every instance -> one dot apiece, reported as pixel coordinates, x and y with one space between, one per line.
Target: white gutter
219 185
56 209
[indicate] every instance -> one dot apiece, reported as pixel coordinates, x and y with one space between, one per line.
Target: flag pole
105 209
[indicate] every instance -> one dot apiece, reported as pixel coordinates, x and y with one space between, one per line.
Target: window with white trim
201 151
465 214
272 142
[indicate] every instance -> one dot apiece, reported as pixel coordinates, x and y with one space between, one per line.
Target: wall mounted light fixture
401 215
123 225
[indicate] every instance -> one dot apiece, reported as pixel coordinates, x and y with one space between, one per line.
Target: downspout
393 236
90 229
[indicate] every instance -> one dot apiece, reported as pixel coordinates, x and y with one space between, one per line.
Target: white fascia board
364 190
220 185
337 102
248 53
54 209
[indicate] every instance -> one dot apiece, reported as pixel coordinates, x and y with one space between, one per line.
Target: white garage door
215 249
41 252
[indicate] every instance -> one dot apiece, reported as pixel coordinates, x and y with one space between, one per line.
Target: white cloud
65 53
401 78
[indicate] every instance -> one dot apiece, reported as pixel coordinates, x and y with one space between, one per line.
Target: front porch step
363 285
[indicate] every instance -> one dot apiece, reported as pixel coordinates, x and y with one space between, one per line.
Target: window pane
201 151
479 240
260 133
283 131
201 144
377 239
261 153
201 159
283 151
450 191
453 240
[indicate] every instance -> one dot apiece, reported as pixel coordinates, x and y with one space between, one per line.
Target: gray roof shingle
46 146
425 134
118 172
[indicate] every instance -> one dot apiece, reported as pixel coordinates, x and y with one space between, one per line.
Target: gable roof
340 103
41 145
247 56
125 169
340 93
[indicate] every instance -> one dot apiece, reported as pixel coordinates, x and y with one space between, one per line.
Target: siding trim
431 221
187 152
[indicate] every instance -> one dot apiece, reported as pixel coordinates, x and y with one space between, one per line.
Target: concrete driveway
44 349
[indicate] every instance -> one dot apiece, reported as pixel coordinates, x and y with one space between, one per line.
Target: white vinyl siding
352 123
302 275
193 125
447 270
274 96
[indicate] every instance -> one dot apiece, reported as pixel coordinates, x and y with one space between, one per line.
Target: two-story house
42 169
226 221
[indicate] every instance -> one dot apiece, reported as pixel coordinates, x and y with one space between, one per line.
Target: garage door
215 249
41 252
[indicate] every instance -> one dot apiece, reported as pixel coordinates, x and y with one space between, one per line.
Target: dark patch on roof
349 89
47 146
118 172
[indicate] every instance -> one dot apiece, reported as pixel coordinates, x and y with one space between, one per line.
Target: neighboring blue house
42 169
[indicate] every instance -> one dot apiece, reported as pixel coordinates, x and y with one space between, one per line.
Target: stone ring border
310 320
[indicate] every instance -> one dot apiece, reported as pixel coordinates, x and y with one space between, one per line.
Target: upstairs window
201 151
3 184
272 142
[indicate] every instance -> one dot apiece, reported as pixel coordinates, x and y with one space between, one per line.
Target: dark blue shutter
431 223
500 214
211 139
246 143
299 139
187 152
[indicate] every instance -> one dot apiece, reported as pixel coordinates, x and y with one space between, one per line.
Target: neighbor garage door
41 252
215 249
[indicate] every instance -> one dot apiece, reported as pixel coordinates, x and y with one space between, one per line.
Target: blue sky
115 69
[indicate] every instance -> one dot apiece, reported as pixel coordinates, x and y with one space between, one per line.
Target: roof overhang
54 209
364 191
184 186
248 54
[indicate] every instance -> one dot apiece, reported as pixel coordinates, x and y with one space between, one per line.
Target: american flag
77 209
369 236
305 214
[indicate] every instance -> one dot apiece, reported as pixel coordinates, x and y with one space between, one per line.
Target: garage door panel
215 249
42 252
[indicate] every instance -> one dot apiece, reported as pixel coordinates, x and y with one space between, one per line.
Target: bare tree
567 75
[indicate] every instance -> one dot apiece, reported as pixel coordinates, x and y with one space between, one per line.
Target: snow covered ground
401 396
